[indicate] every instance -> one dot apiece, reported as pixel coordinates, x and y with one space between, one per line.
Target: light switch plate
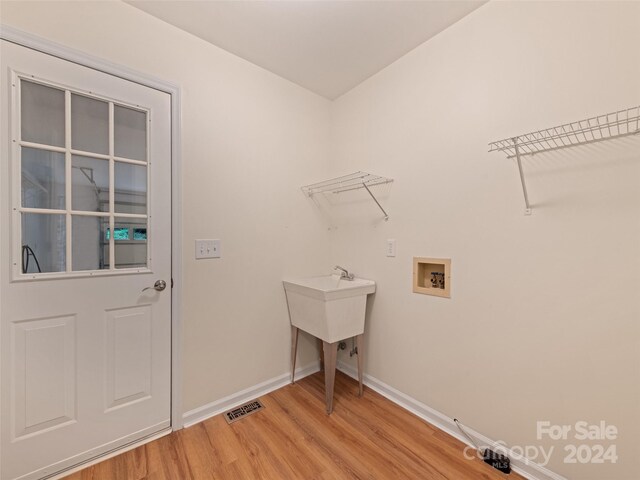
391 247
216 248
208 248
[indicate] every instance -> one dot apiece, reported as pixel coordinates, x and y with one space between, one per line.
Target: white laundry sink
328 307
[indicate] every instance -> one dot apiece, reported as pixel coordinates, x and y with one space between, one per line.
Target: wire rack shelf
346 183
595 129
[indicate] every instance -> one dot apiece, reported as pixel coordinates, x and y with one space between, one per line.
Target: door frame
49 47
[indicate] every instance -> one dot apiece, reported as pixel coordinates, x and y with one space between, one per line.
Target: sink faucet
344 273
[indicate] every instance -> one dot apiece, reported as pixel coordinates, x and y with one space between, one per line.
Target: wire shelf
353 181
595 129
346 183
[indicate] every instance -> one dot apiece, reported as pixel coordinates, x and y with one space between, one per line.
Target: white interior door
85 204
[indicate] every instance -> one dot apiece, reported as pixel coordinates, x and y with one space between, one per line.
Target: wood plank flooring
293 438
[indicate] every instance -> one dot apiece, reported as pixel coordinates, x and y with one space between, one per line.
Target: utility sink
331 308
328 307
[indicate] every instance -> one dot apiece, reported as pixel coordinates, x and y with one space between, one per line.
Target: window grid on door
111 214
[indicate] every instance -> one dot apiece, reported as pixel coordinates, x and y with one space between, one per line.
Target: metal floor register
242 411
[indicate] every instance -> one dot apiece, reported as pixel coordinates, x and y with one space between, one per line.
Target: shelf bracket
386 216
527 209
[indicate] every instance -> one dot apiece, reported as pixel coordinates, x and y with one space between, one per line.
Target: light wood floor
293 438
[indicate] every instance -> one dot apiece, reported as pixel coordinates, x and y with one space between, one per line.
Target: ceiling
326 46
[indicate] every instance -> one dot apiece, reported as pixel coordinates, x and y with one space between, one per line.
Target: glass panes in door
42 179
130 133
42 113
89 124
130 188
130 242
84 170
44 241
89 184
86 245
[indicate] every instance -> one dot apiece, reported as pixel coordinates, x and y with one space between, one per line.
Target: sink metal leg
360 347
294 351
330 357
321 349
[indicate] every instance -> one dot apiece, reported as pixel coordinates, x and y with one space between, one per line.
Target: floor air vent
242 411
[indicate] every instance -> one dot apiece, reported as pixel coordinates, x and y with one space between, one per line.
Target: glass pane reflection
89 184
41 114
130 133
130 188
89 124
42 179
44 243
130 246
87 244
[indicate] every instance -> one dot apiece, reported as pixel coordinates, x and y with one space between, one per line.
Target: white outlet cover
391 247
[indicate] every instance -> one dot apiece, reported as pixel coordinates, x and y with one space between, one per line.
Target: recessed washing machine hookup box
432 276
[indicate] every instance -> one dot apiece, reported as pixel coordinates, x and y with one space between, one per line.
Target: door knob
160 285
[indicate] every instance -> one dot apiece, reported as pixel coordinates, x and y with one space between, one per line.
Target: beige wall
250 140
544 319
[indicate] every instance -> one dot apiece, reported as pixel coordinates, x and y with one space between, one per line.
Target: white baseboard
214 408
523 466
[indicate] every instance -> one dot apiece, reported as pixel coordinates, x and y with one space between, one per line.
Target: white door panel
84 352
45 383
